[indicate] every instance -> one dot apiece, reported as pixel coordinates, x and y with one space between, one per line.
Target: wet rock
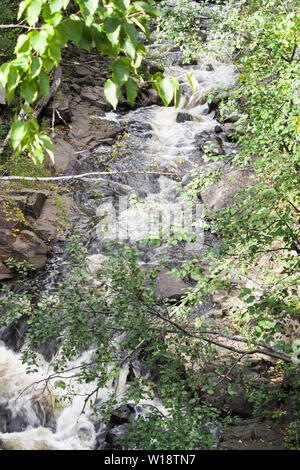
168 286
210 140
28 246
10 423
76 88
151 67
209 68
46 224
183 117
218 129
113 434
14 334
236 405
228 116
122 415
214 103
95 96
89 95
202 34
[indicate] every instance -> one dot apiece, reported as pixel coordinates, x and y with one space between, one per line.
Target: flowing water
35 416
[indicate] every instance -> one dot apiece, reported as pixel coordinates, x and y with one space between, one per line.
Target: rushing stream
159 141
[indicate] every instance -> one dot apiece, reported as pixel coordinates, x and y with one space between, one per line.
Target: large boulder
28 219
168 286
219 194
25 245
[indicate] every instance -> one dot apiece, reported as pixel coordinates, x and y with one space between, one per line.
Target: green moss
8 37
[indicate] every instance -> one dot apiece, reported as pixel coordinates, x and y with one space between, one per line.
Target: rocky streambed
150 151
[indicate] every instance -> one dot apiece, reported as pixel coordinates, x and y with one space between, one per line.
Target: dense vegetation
258 255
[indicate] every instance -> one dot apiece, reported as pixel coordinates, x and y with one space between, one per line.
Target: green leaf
35 68
121 71
18 133
86 40
23 44
192 81
64 32
131 90
44 83
48 145
112 92
4 71
54 51
129 47
122 5
131 32
75 27
177 92
112 27
13 79
165 89
37 155
39 40
148 9
33 12
57 5
29 90
48 63
143 27
22 7
88 9
50 18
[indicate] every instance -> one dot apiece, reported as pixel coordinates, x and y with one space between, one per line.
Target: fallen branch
82 176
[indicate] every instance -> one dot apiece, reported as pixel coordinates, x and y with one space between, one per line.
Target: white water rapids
171 141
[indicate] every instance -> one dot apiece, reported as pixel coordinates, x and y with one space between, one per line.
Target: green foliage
292 436
8 37
258 233
181 24
259 230
82 315
180 430
111 28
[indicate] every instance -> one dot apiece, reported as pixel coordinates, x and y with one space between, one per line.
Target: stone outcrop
252 435
168 286
27 224
220 194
